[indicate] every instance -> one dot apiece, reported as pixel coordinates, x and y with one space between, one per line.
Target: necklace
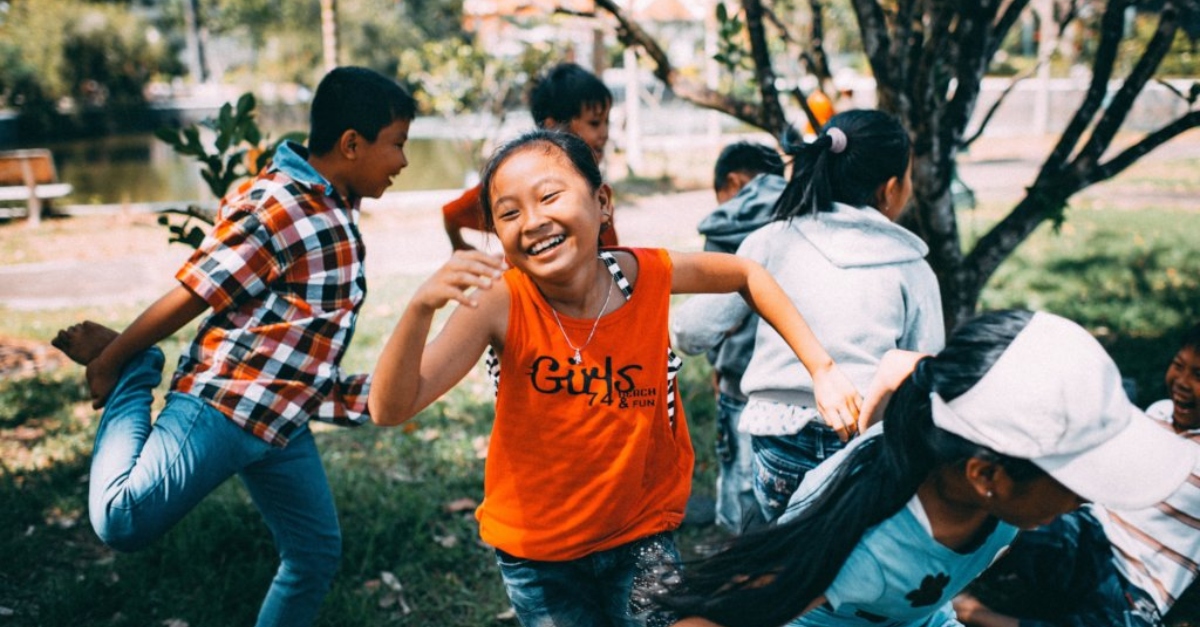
578 357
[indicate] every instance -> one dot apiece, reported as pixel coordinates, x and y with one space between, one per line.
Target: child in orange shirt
589 465
567 98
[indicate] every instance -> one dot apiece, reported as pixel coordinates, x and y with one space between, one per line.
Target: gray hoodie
723 231
860 281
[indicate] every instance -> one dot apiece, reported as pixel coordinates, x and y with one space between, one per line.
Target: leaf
245 104
464 504
168 135
194 237
390 580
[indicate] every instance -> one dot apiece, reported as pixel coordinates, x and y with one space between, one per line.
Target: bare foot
83 342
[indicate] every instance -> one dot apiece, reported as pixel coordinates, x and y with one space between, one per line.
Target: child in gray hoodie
747 180
858 278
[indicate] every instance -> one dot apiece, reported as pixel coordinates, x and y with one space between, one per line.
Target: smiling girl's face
545 214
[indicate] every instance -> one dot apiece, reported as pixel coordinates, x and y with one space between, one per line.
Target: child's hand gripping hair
894 368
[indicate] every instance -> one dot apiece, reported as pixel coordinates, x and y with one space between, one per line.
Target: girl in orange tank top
590 462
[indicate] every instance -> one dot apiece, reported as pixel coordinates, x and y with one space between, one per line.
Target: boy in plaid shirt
282 273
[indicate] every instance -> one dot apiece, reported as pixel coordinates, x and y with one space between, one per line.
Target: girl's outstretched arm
410 374
837 399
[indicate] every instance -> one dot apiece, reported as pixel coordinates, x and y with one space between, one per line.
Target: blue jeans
1063 575
737 507
780 463
145 478
612 588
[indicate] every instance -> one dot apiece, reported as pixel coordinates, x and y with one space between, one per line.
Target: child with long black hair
1020 419
857 277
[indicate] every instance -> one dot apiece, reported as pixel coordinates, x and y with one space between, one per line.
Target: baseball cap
1054 397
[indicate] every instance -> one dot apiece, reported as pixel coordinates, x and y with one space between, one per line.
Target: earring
989 494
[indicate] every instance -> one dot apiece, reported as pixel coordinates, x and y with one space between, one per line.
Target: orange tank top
588 457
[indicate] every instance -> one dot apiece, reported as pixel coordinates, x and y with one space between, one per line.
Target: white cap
1054 397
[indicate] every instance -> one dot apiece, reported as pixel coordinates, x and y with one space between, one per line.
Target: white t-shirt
1158 548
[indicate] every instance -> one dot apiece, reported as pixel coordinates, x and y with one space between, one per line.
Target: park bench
28 176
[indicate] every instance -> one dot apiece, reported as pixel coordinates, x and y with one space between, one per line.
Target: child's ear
604 194
349 143
888 195
550 124
981 475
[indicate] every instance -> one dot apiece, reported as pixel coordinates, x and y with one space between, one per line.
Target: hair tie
837 139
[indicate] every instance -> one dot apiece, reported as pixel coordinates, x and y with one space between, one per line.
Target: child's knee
318 558
120 532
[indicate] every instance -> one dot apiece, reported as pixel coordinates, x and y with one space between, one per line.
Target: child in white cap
1020 419
1099 566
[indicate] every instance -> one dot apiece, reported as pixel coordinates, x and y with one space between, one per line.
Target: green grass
1130 276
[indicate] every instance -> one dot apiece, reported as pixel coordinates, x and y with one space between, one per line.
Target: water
141 168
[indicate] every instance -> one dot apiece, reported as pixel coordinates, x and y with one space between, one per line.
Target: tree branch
873 28
1119 106
1117 164
999 31
1112 26
987 117
632 34
764 73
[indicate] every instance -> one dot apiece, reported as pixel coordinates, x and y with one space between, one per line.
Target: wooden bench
28 176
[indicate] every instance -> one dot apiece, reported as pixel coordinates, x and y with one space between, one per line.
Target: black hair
877 148
769 577
577 152
358 99
563 93
746 157
1191 339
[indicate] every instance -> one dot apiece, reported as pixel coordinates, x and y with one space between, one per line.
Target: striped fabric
1158 548
282 270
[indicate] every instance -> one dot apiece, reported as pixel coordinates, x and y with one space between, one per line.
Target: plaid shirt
283 272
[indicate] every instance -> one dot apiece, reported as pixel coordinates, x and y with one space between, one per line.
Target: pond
141 168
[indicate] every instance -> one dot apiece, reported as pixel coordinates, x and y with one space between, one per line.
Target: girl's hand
893 369
454 281
837 400
101 380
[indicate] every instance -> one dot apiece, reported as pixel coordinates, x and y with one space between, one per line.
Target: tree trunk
329 37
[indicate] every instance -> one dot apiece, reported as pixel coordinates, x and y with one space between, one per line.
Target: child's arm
837 400
459 213
972 612
893 369
161 319
703 321
410 374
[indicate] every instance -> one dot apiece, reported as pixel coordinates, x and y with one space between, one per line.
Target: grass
412 555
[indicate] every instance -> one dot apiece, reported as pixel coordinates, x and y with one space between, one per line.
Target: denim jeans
612 588
1063 575
780 463
145 477
737 507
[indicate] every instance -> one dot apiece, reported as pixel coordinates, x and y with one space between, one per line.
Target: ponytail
857 153
768 578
